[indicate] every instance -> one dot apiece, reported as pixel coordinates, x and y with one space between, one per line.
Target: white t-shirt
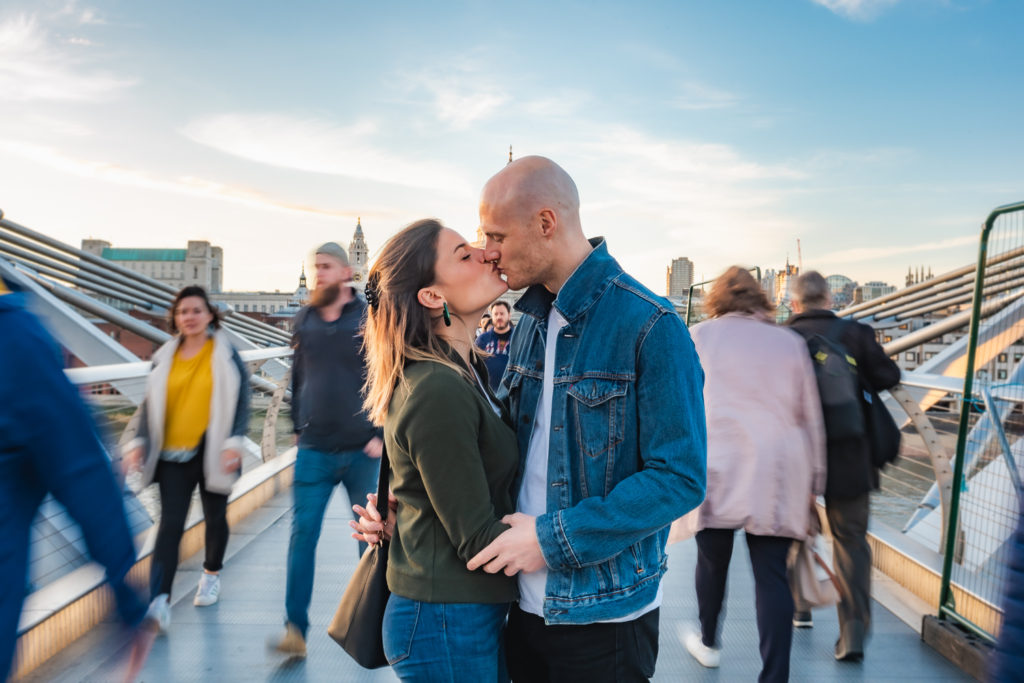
533 494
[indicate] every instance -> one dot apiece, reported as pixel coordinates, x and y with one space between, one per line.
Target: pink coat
766 434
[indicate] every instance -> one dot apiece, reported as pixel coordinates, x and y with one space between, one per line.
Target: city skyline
724 132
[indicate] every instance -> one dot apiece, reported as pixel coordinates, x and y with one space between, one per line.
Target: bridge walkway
226 642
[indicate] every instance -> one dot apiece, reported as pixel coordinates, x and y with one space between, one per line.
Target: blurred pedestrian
1007 665
337 444
191 432
766 461
496 341
49 444
851 474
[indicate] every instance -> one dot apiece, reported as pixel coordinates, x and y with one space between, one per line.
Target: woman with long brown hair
452 453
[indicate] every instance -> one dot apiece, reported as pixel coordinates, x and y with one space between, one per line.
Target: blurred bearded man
337 444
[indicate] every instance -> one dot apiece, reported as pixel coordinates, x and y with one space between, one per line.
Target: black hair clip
372 290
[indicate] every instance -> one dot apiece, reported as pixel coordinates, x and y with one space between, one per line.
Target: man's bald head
530 184
530 214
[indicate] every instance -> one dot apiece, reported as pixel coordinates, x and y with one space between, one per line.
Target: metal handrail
121 371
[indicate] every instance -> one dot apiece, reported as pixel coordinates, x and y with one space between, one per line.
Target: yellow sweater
189 388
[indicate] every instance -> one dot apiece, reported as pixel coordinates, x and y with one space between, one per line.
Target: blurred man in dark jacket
851 474
1008 662
49 444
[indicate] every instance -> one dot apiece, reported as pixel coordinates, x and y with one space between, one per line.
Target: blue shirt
497 345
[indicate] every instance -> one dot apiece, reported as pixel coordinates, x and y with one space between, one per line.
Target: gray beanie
333 249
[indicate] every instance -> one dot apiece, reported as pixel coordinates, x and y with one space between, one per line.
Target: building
784 281
918 276
842 289
265 305
768 284
359 256
679 277
199 263
871 290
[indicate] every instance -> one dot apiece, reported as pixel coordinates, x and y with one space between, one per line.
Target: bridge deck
226 642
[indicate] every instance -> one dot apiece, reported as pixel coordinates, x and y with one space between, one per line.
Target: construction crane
799 257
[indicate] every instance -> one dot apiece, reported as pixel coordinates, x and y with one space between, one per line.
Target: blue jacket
628 444
49 444
1008 663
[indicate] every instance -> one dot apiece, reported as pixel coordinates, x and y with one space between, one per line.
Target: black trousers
593 653
771 588
177 481
851 559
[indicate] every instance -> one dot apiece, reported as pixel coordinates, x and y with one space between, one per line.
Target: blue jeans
316 476
436 642
82 481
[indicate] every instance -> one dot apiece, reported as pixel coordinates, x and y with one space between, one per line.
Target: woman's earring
444 314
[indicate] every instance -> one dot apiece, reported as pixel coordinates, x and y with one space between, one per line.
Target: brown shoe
290 643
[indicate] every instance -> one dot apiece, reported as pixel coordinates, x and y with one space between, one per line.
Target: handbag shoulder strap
384 479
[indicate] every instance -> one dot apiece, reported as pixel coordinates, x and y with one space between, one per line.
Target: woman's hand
370 528
230 460
131 461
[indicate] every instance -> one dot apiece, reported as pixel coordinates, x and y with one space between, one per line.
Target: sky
879 133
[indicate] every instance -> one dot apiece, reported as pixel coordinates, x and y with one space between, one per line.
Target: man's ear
430 298
548 222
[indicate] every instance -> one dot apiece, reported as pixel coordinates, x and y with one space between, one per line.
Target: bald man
606 393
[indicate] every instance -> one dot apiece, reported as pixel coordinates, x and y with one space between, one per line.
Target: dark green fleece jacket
453 462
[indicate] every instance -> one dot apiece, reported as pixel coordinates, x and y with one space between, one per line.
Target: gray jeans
851 558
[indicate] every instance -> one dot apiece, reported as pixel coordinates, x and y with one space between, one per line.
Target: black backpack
842 401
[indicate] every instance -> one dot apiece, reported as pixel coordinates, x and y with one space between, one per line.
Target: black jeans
593 653
773 598
177 480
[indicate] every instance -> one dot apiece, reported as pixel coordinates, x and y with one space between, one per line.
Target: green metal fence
695 316
989 464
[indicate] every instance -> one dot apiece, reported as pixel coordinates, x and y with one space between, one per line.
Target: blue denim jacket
628 444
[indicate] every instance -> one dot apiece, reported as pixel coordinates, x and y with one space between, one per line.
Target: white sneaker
159 612
208 591
708 657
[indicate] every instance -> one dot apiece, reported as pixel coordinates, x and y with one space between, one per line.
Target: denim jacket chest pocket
598 419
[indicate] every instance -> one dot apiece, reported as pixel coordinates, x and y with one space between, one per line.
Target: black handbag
883 432
357 624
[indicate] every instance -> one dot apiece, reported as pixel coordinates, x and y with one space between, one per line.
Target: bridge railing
987 496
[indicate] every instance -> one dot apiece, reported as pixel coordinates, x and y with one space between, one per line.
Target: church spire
358 254
510 154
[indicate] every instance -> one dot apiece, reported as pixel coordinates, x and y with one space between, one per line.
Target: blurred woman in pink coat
766 462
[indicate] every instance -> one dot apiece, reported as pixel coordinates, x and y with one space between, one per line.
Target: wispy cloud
87 16
185 185
697 96
320 146
460 92
860 10
862 254
34 67
686 197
